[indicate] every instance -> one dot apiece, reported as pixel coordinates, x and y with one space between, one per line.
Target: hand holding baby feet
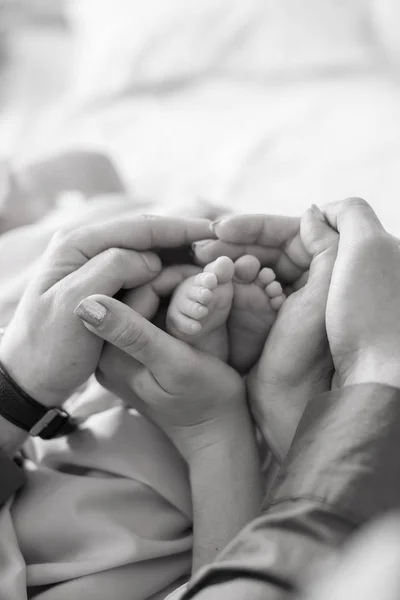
296 362
228 310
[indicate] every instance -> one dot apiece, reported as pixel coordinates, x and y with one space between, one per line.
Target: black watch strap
23 411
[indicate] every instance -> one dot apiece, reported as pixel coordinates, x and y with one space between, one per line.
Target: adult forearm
226 487
352 433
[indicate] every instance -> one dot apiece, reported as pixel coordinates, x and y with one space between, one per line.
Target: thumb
313 236
354 219
321 241
126 329
315 232
320 244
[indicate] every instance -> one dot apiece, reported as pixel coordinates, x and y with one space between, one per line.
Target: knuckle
65 293
63 237
355 201
115 256
131 337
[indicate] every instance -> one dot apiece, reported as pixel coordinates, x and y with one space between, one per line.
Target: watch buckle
51 414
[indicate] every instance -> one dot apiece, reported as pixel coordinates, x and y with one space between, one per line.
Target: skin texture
227 310
360 353
103 258
362 320
295 363
176 386
272 239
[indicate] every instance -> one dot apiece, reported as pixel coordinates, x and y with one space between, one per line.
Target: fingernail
91 312
215 224
152 261
317 212
200 244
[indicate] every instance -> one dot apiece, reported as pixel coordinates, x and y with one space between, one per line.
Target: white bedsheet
259 105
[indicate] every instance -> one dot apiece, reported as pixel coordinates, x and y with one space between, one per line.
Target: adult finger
271 238
68 251
111 271
135 232
354 219
259 230
118 324
22 246
207 251
288 262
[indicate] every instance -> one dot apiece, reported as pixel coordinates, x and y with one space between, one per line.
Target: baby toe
191 309
273 289
206 280
247 268
223 268
183 323
277 301
200 294
266 276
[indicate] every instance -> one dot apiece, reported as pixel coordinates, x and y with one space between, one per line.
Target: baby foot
199 309
256 300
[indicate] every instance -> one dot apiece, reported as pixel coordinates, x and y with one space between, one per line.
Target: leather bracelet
26 413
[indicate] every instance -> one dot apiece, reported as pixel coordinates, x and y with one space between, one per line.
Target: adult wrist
26 376
21 414
195 442
226 483
31 386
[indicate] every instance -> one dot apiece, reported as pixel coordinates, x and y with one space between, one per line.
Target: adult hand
295 363
185 391
198 401
272 239
21 248
46 349
363 310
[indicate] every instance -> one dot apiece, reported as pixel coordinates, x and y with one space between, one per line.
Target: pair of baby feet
239 313
227 310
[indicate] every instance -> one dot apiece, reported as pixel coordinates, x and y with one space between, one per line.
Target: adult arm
332 481
45 349
225 483
342 468
101 258
200 403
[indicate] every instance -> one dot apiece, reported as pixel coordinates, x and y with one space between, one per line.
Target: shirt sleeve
341 471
